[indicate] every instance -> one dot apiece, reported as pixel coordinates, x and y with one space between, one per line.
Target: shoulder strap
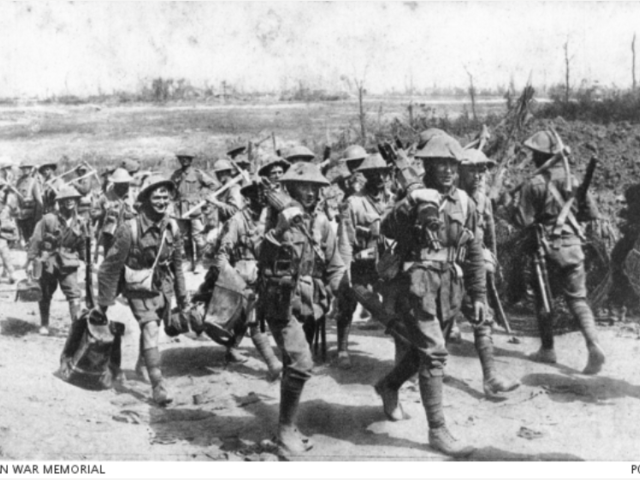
464 203
565 212
133 223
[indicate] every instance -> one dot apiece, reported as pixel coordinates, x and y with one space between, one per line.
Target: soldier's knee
302 362
150 333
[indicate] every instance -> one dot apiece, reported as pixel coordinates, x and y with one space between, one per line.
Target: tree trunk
363 131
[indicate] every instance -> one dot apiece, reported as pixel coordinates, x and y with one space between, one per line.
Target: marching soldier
231 201
274 169
55 251
30 203
360 241
83 184
545 204
8 233
50 185
239 248
114 207
354 181
472 180
133 168
148 244
239 154
192 185
299 259
434 227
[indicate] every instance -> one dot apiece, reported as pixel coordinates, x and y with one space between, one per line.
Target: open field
104 135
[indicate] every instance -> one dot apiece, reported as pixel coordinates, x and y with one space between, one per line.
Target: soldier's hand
479 313
425 195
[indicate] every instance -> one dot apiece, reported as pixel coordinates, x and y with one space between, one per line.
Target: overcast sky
78 48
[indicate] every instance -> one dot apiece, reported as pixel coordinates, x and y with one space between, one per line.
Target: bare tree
567 66
472 94
633 62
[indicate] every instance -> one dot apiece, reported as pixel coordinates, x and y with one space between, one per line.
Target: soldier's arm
111 268
524 213
35 243
474 268
346 234
227 243
397 221
336 268
490 228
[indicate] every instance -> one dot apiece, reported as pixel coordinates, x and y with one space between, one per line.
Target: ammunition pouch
68 260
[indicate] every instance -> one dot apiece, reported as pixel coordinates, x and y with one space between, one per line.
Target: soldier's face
47 172
121 188
68 204
185 162
473 176
306 193
224 176
275 173
376 178
159 200
445 171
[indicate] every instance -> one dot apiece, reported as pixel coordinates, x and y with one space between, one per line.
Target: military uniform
543 201
8 233
439 258
239 248
111 211
477 161
190 184
30 203
298 261
59 244
361 245
136 245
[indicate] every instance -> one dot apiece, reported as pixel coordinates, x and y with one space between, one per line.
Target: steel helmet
354 152
185 153
222 165
66 192
476 157
299 153
272 162
441 146
305 172
48 163
236 149
427 135
131 166
372 163
27 163
543 141
120 175
153 182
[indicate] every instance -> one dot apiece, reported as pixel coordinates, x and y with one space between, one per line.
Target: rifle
581 193
88 281
542 276
494 299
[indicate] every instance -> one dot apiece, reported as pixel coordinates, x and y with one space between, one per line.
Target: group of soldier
419 236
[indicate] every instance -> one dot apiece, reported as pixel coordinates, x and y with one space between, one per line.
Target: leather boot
439 436
261 342
493 383
289 438
74 310
583 314
388 387
546 353
343 326
44 306
160 394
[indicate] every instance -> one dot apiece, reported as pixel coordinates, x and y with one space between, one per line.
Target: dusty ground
557 414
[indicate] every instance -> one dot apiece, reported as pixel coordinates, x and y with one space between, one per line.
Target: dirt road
557 413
